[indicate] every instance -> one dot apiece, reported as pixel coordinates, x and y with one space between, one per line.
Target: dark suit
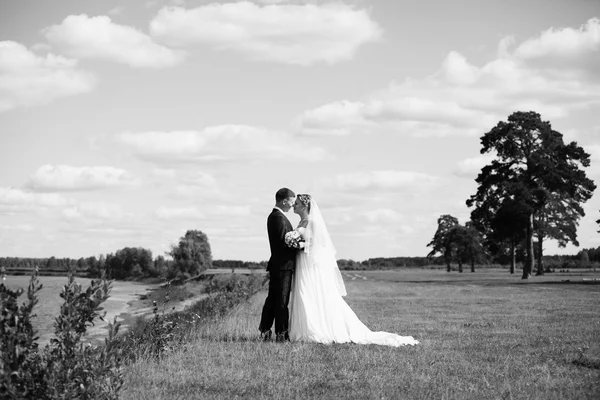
280 267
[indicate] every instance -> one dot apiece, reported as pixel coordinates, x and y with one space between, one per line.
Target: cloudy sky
126 123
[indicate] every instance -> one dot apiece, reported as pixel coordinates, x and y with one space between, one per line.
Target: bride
318 311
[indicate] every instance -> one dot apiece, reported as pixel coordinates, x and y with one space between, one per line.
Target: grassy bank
181 310
482 336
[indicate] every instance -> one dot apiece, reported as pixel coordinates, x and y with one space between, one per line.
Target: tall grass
486 337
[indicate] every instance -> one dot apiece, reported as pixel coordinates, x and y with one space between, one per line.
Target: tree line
189 257
532 191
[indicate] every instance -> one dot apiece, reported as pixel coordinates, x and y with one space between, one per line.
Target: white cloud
382 215
337 119
185 213
116 10
593 171
389 180
197 184
291 34
470 167
464 99
164 174
94 211
565 48
70 178
594 152
18 227
17 200
98 37
234 211
218 143
27 79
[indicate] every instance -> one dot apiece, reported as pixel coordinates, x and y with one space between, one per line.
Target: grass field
486 335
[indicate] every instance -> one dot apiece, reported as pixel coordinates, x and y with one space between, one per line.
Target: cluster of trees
387 263
457 242
237 264
589 255
50 265
189 257
531 192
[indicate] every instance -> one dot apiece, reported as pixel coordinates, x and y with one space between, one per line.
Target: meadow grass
486 335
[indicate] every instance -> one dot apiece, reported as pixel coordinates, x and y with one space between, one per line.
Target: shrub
66 368
164 331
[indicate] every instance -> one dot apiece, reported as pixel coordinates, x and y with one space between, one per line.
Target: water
50 301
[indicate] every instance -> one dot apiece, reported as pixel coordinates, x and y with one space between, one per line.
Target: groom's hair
284 193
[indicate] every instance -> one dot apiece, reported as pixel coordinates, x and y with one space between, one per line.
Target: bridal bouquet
294 239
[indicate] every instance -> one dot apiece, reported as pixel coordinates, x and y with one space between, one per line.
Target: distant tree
594 254
583 257
193 254
502 222
533 163
51 263
442 240
467 242
129 262
160 265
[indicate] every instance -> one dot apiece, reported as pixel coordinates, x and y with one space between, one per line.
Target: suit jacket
283 258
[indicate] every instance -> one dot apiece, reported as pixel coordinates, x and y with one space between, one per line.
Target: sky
127 123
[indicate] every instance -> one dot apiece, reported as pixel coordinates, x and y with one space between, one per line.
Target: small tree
584 257
509 226
442 239
466 241
192 255
66 368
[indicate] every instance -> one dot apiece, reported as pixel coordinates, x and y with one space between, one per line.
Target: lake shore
125 304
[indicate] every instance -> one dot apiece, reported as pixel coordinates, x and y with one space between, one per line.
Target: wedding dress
318 312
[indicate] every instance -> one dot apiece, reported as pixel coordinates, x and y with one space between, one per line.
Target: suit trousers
276 303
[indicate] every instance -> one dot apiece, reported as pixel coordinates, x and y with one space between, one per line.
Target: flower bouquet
294 239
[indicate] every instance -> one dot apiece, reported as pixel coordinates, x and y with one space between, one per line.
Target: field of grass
486 335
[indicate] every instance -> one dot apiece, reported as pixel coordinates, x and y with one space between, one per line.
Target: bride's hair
305 199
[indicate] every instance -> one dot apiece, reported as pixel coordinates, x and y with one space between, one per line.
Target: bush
66 368
164 331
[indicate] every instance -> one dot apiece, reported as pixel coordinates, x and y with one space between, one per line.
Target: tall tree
192 255
442 239
533 163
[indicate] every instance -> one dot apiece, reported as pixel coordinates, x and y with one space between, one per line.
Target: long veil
320 249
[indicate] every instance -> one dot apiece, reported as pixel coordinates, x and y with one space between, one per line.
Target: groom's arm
277 228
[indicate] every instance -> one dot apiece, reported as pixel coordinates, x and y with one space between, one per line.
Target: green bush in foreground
66 368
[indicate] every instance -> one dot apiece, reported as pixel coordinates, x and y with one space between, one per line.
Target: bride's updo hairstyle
305 200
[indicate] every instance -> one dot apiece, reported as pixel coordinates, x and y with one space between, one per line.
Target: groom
280 267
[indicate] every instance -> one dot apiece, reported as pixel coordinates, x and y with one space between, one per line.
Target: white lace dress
318 312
